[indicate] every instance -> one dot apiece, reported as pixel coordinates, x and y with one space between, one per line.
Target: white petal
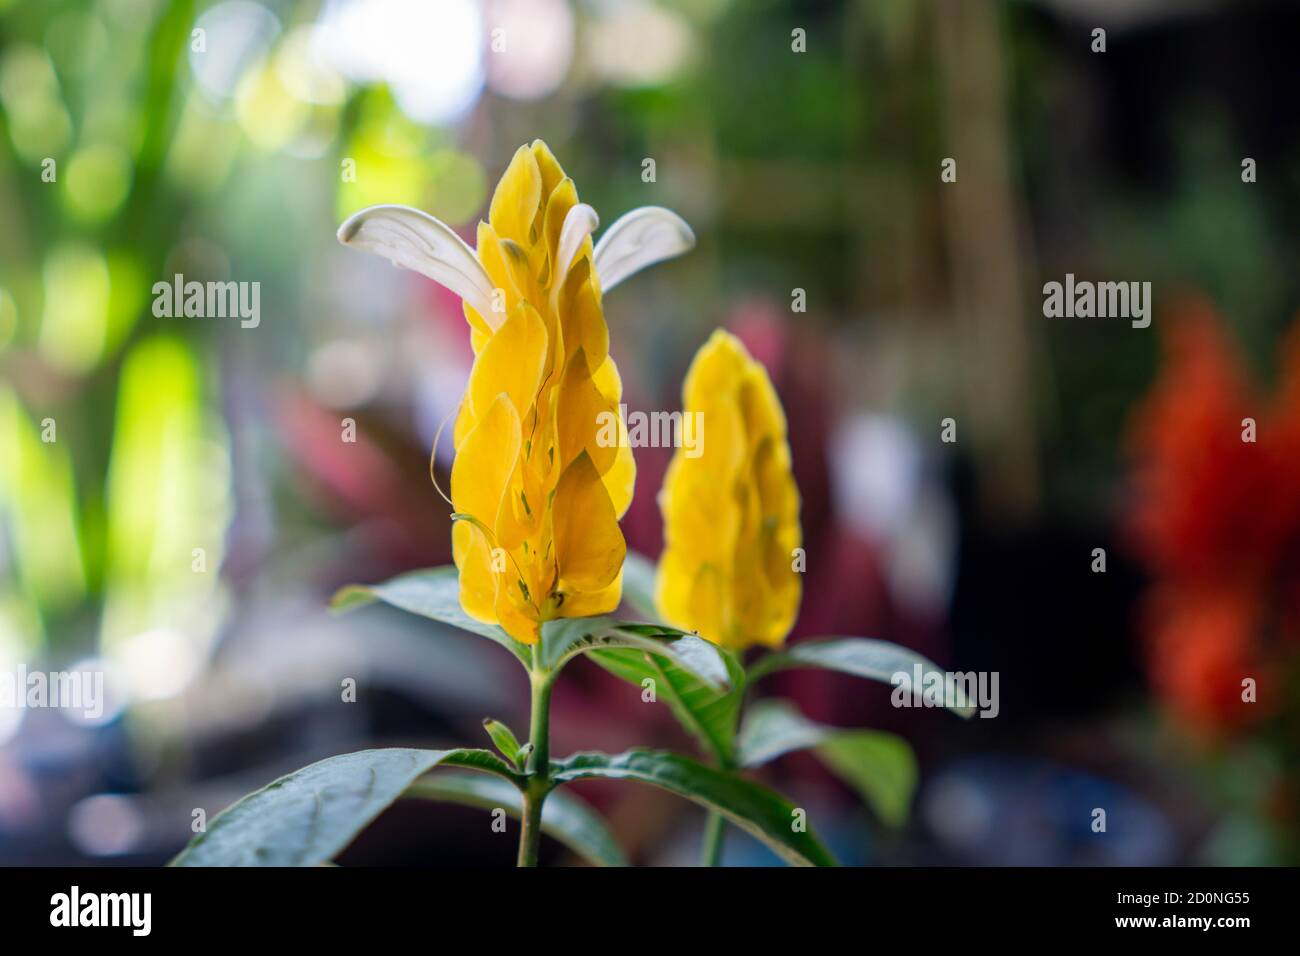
415 240
580 222
638 239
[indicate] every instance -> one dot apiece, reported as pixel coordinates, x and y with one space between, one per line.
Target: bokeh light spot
458 187
76 306
97 181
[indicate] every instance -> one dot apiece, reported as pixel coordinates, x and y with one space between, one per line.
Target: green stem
539 780
531 836
539 729
714 833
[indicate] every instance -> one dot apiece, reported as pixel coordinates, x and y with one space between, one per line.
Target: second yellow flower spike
731 514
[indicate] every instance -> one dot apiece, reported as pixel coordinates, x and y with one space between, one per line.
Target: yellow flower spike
537 491
589 546
511 363
515 202
580 402
480 481
731 513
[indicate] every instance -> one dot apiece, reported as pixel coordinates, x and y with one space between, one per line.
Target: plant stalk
714 835
530 837
539 780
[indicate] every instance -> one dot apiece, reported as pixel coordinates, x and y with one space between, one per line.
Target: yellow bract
538 497
731 515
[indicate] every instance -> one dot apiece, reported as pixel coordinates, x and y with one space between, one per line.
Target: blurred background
177 501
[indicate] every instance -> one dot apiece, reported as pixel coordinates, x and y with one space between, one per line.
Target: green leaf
566 638
433 593
751 806
504 739
704 708
861 657
709 712
772 728
639 585
522 755
565 816
309 816
879 766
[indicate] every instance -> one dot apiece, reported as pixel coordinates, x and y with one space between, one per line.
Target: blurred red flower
1216 470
